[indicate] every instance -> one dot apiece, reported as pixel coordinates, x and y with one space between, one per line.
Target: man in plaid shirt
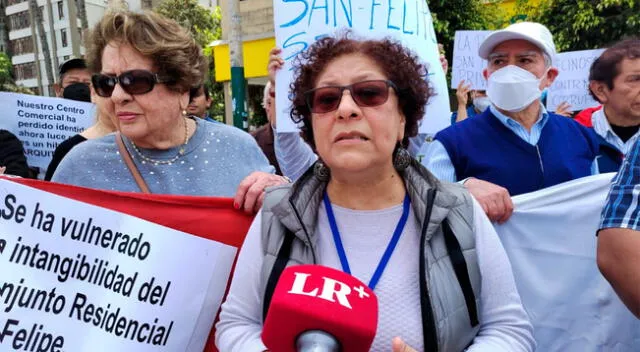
619 234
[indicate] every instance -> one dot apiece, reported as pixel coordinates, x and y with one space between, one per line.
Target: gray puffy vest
450 276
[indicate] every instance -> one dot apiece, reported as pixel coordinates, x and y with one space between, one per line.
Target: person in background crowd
145 65
480 102
264 134
584 116
294 156
443 59
12 158
360 102
75 80
200 102
103 125
515 146
619 234
614 81
75 84
564 109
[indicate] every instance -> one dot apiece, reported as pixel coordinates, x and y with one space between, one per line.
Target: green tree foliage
205 26
586 24
5 69
258 116
216 89
450 16
7 83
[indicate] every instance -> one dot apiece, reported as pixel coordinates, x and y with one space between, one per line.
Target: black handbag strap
429 333
124 153
278 267
462 272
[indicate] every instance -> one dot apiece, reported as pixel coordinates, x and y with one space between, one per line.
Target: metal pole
74 35
237 66
54 46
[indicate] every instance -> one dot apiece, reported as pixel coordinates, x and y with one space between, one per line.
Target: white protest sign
41 123
467 65
78 277
298 23
572 83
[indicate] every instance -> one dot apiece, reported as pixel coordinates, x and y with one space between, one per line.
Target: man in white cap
515 146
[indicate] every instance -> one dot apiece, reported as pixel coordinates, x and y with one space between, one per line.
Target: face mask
481 103
512 88
78 92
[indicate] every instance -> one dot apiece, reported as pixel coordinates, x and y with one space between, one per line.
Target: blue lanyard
387 253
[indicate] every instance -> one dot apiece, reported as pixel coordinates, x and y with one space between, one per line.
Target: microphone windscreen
314 297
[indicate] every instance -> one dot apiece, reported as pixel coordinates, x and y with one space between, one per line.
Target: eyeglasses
133 82
366 94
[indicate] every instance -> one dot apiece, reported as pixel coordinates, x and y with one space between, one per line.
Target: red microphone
320 309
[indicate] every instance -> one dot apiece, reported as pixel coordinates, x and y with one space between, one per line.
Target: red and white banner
95 270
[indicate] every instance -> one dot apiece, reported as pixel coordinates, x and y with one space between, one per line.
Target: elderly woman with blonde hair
144 66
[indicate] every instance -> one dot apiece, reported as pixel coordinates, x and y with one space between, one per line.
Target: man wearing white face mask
515 146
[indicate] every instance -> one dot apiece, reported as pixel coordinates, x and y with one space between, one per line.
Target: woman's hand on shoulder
397 345
250 193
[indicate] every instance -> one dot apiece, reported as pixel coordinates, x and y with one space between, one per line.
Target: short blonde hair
266 95
170 47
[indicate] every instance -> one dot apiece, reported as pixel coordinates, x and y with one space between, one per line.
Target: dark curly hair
399 64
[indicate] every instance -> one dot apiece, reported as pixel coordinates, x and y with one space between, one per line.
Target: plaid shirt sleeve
622 209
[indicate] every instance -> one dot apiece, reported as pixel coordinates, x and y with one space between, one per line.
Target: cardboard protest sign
467 65
299 23
572 83
112 281
41 123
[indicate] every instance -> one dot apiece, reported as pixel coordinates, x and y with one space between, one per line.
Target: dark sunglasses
133 82
366 93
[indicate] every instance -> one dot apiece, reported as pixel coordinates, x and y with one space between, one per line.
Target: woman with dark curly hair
447 283
144 66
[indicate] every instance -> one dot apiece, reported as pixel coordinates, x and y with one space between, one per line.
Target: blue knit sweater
217 157
484 148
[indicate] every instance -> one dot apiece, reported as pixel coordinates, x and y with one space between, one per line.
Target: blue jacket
471 112
484 148
609 158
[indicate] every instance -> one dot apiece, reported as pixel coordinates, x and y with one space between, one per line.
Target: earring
184 112
401 159
321 171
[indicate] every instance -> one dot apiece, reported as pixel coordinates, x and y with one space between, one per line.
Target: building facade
258 37
62 31
4 36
